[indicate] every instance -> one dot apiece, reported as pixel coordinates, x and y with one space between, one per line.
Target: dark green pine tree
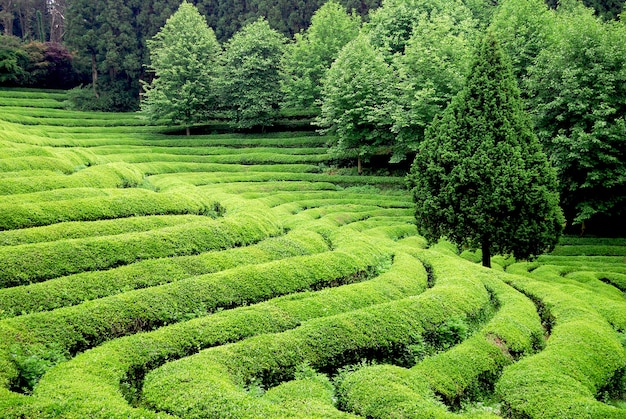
480 178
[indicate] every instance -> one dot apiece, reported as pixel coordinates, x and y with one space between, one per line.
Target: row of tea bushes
75 289
211 383
83 229
458 374
116 151
116 203
90 384
251 157
75 328
30 263
169 167
113 175
582 357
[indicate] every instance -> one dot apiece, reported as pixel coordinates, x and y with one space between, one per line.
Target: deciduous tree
357 100
307 60
184 55
250 75
480 178
577 93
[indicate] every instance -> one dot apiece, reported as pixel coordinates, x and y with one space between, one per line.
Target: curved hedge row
38 262
76 328
112 175
209 384
117 204
91 381
200 179
461 373
84 229
75 289
582 356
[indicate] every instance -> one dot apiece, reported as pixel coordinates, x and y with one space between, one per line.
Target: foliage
35 64
577 92
250 76
523 28
307 60
431 71
357 94
184 55
480 177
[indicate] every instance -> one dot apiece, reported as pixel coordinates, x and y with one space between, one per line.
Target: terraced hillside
235 276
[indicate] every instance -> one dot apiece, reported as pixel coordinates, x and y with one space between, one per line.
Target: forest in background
385 88
64 43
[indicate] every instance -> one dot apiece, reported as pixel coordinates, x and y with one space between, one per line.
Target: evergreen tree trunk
486 253
359 166
188 131
94 75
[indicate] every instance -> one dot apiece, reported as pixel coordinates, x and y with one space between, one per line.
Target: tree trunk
486 254
188 131
94 75
359 166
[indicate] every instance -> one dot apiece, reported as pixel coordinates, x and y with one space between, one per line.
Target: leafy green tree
577 93
480 177
431 71
357 97
250 75
523 28
307 60
183 57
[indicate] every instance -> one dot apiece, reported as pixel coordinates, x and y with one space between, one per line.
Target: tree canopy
183 55
250 75
357 97
577 94
480 177
311 55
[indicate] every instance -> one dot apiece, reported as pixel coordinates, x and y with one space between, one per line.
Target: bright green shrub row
32 94
90 383
31 102
200 179
312 198
9 149
252 156
29 173
166 167
118 151
113 175
583 353
82 229
616 279
591 241
62 118
589 250
75 289
65 161
118 204
38 262
136 136
86 325
579 260
209 384
464 371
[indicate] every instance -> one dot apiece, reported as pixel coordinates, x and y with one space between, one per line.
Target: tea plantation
146 275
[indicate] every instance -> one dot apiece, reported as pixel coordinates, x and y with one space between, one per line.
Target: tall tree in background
357 98
184 55
523 28
480 177
431 71
83 32
250 75
577 92
308 59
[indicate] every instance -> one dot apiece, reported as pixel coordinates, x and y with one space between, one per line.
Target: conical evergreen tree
480 178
